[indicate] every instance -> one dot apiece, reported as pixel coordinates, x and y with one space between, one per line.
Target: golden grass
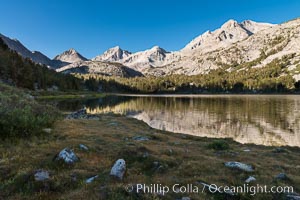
185 160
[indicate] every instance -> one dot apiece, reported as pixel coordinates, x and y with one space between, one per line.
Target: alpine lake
270 120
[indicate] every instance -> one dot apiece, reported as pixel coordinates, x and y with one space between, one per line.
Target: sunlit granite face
265 120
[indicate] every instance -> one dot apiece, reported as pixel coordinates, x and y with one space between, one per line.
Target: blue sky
92 26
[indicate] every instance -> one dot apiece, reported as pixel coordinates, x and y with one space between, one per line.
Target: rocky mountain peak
113 54
230 24
70 56
229 33
155 48
69 52
158 49
249 22
72 51
116 48
254 27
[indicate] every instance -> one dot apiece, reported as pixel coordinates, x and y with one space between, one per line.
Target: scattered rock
146 155
246 150
47 130
113 124
292 196
81 114
250 179
41 175
77 115
119 168
83 147
160 168
89 180
241 166
67 155
157 167
156 164
281 176
140 138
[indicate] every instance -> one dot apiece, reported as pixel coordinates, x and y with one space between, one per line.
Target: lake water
260 119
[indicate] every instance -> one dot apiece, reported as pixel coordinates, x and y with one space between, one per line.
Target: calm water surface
260 119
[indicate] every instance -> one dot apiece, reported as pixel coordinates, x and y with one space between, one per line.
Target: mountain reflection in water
258 119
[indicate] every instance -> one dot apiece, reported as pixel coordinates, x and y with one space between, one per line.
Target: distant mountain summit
253 44
138 61
70 56
157 61
113 55
229 33
149 58
255 27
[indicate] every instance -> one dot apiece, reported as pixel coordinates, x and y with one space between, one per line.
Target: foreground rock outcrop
119 168
81 114
67 156
41 175
240 166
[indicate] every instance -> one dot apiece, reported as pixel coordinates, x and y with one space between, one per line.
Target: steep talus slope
99 67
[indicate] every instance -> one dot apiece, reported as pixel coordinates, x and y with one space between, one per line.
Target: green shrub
219 145
21 115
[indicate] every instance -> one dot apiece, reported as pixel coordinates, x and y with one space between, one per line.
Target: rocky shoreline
97 157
